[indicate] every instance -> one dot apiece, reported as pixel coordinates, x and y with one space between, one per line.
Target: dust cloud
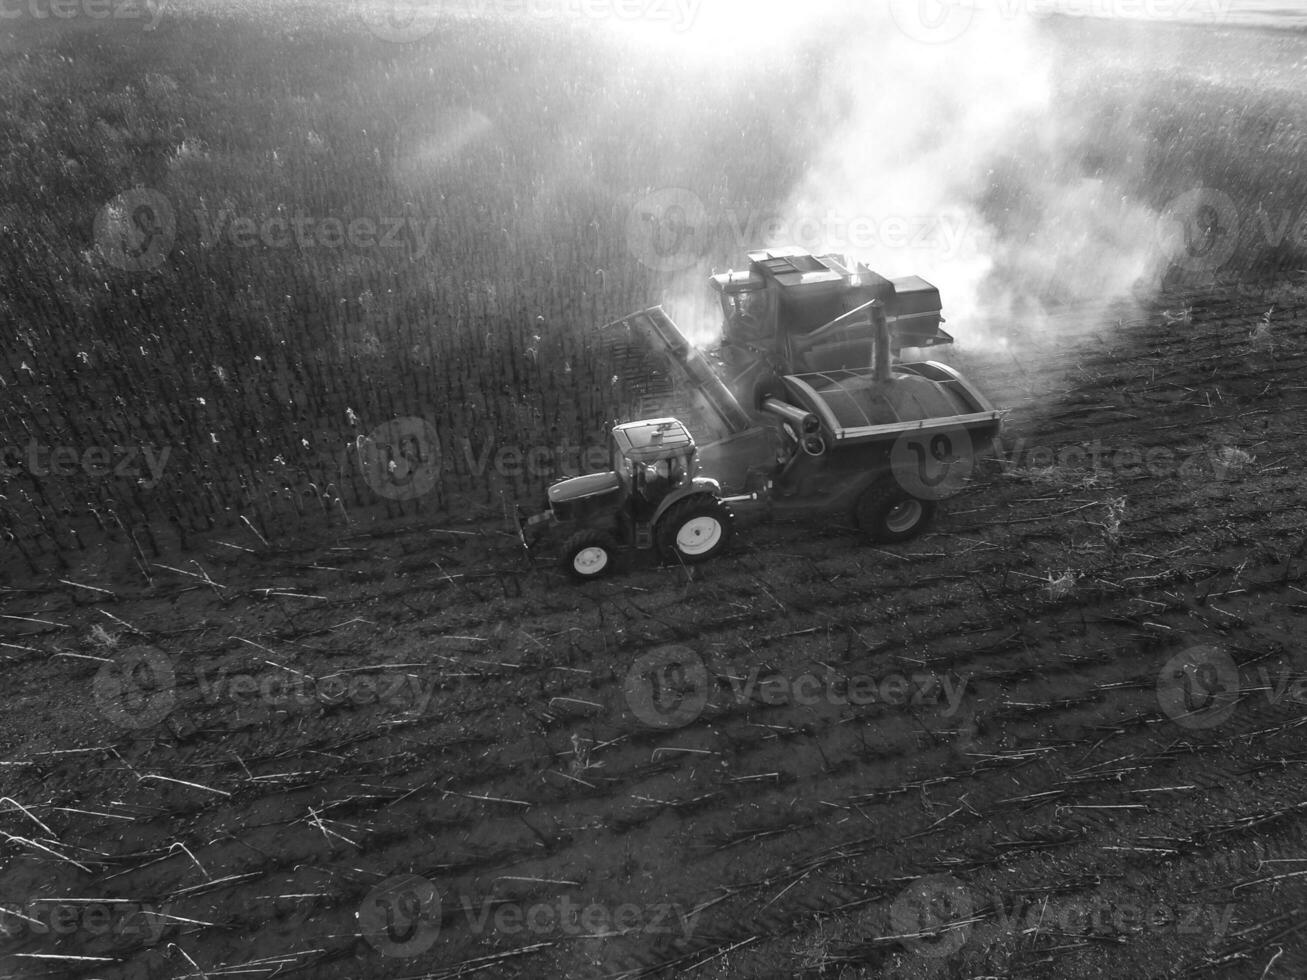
975 158
965 162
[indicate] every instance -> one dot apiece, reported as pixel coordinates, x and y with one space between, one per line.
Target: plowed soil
1053 776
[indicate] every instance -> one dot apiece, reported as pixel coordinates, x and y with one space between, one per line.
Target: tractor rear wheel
588 555
695 530
888 513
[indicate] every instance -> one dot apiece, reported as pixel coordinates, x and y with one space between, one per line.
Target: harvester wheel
588 555
888 513
695 530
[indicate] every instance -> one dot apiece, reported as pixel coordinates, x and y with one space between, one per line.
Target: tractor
652 498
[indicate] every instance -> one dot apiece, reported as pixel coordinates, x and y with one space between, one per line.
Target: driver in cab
657 480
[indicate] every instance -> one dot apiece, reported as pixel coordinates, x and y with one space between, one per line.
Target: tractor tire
588 555
887 513
695 530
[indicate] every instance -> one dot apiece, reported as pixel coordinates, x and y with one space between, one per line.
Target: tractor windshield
656 478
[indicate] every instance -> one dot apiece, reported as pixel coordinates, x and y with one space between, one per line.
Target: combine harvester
801 412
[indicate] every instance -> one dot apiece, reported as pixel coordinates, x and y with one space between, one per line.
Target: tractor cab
651 459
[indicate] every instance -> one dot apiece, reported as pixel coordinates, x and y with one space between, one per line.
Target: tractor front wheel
588 555
695 530
888 513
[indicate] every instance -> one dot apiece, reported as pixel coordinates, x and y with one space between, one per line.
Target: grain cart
872 445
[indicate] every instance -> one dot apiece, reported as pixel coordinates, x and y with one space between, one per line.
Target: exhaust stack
884 372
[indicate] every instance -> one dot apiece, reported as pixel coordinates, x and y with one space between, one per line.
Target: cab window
621 465
747 316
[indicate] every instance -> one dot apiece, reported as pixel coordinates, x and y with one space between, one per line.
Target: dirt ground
1061 735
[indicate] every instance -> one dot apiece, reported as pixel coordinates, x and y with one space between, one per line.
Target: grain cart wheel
588 555
886 512
695 530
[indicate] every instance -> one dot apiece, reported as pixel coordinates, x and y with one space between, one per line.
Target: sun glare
733 30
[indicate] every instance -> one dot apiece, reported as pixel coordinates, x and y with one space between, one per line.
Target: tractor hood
583 487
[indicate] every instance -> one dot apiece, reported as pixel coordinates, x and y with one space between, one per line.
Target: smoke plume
966 162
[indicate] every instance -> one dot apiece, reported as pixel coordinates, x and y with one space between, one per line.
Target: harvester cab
792 312
653 497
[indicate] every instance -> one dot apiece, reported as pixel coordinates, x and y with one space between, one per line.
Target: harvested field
264 720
